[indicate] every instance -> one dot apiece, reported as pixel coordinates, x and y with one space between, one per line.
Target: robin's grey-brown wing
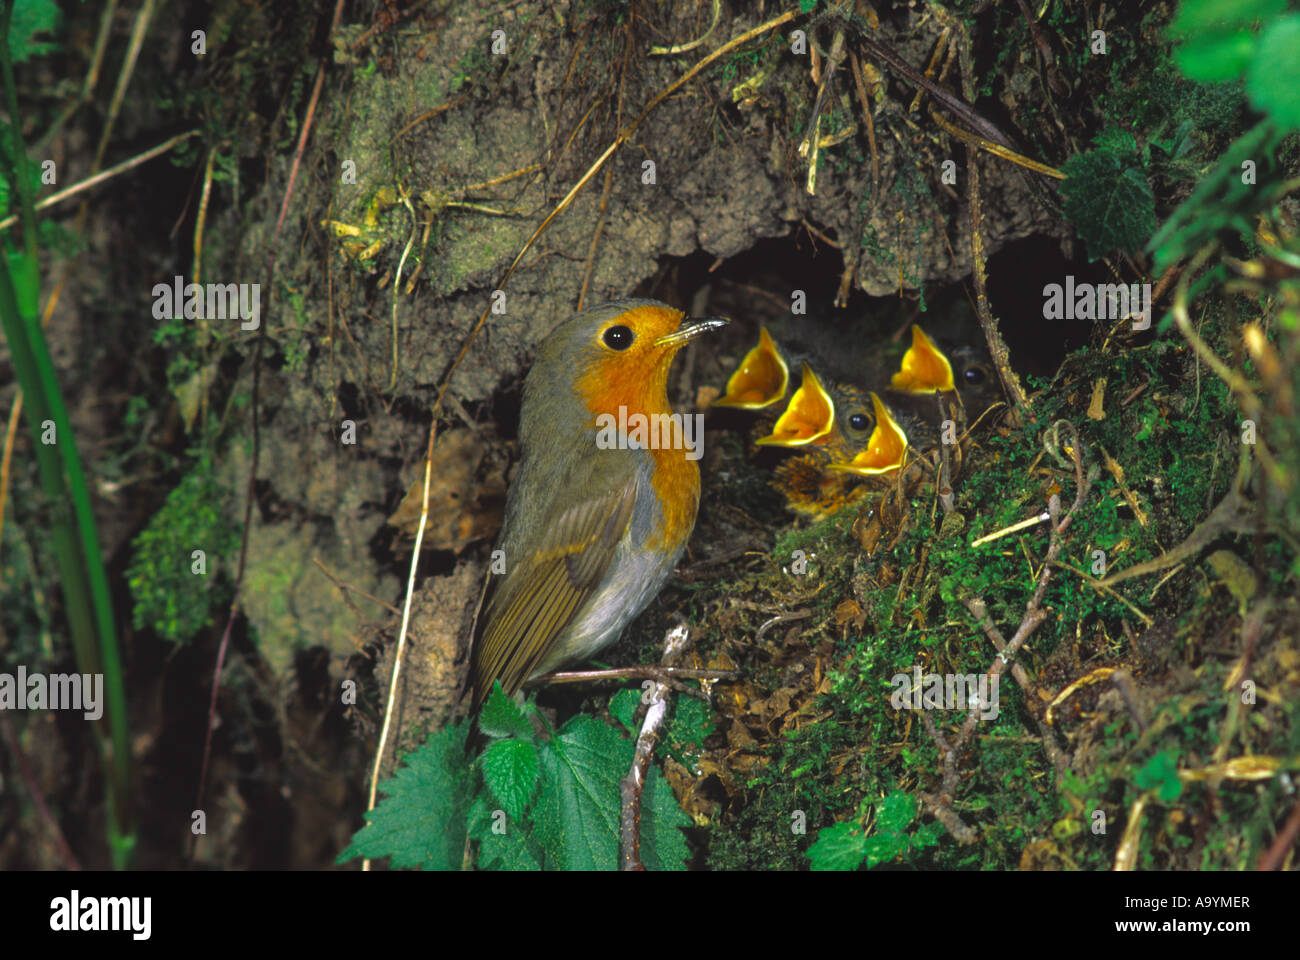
543 590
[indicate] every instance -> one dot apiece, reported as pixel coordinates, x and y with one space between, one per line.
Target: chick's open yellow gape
809 416
924 369
885 450
761 379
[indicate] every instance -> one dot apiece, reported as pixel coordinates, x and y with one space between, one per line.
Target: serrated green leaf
502 717
1108 199
421 822
503 845
510 772
1273 80
663 845
507 851
576 814
840 846
577 810
623 706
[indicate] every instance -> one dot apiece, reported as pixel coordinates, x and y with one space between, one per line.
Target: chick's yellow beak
924 368
809 416
885 449
761 379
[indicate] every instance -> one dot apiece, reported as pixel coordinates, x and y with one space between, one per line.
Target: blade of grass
81 565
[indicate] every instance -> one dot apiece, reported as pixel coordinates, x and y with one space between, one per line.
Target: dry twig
632 785
941 804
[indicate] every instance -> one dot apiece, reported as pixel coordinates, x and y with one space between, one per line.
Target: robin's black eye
858 421
974 375
619 337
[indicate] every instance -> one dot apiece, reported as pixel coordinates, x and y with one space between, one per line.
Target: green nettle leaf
623 706
502 717
1160 773
510 770
1274 78
663 845
576 813
1215 58
1108 199
841 846
539 804
421 820
577 809
503 845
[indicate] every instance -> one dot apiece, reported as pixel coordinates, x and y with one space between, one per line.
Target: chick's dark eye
618 338
974 375
858 421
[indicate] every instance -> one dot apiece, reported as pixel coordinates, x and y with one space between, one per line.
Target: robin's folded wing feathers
541 596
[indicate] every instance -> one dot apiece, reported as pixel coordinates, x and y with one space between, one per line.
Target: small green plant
1161 775
1217 43
847 846
530 801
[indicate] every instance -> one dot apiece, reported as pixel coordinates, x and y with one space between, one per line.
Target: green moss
1176 441
176 592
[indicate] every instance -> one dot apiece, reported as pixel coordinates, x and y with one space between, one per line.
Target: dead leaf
1095 408
467 493
850 611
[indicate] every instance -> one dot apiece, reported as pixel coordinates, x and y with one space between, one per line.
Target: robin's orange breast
605 496
635 383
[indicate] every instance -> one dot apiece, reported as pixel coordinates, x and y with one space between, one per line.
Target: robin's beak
761 379
924 368
885 450
689 330
809 416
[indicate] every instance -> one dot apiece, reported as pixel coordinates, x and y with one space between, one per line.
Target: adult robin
604 499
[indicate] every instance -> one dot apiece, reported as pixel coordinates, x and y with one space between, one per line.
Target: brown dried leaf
467 493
